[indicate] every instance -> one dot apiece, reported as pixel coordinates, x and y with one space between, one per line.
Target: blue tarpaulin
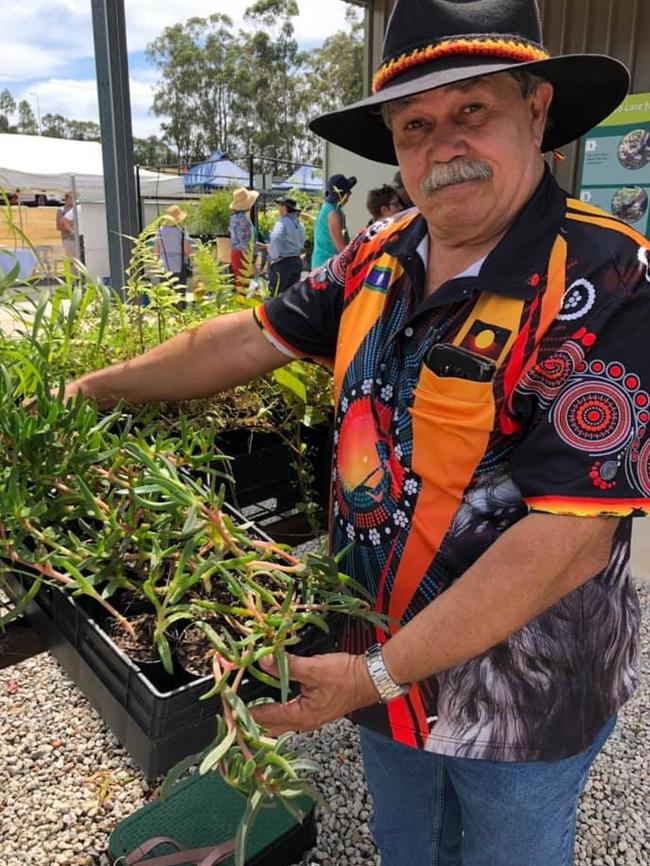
216 172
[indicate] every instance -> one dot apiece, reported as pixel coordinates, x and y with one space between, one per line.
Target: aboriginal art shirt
429 471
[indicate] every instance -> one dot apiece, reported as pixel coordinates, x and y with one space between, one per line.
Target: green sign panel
616 163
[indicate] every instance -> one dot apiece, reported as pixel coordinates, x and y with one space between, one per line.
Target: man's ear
540 104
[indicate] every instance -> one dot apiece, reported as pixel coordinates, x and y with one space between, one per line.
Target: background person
66 227
242 231
400 189
330 231
285 247
383 202
173 247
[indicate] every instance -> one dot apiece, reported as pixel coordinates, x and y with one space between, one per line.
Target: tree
54 125
152 152
197 61
335 70
26 121
7 108
82 130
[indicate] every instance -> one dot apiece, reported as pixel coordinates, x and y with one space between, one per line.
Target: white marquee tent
39 164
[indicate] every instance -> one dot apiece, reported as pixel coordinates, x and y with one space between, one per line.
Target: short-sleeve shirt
242 231
287 238
429 471
171 242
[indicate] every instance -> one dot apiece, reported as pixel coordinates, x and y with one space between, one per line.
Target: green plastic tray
204 810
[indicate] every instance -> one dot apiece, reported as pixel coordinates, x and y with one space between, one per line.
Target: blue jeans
431 810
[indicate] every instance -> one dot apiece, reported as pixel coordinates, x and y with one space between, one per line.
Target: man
286 244
330 231
383 202
65 225
173 247
491 440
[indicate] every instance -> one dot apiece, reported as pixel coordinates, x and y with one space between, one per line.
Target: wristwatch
386 686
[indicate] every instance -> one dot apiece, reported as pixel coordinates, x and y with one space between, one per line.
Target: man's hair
527 81
377 198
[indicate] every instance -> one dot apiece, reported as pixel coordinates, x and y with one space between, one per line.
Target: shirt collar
514 268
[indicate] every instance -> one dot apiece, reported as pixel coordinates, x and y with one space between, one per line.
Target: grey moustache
454 172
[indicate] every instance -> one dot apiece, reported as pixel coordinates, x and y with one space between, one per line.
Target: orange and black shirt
429 471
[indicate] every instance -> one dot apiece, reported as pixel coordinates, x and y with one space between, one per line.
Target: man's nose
446 142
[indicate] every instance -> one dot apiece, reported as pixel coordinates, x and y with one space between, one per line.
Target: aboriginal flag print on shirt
429 471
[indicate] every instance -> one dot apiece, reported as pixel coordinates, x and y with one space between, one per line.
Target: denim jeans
431 810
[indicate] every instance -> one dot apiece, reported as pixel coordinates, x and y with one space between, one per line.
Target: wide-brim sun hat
243 199
290 203
433 43
175 214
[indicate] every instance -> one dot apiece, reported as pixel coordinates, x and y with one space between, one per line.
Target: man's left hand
331 686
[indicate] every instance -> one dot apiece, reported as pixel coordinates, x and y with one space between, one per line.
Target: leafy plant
209 215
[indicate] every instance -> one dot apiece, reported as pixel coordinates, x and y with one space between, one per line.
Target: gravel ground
65 781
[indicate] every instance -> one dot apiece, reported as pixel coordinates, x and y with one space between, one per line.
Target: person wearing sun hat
330 231
491 440
242 230
173 246
285 246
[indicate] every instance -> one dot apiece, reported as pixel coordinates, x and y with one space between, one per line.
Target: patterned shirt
241 231
429 470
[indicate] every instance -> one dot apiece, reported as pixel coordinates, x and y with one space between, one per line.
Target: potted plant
208 219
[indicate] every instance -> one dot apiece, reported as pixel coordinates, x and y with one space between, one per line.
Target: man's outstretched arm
219 354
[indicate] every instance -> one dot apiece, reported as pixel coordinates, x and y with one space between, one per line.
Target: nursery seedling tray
157 718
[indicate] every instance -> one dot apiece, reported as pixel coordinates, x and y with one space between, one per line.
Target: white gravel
65 781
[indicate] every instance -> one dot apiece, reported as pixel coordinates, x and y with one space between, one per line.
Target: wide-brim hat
243 199
175 214
290 203
432 43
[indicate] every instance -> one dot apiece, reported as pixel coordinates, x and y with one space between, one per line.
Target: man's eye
413 124
472 108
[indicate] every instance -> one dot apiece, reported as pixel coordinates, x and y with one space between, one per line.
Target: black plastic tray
157 726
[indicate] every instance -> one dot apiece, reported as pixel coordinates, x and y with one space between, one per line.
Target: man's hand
331 686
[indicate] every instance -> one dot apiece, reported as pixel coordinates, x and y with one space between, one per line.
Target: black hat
290 203
339 185
431 43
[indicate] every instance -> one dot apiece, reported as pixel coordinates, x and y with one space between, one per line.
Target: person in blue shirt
330 231
285 247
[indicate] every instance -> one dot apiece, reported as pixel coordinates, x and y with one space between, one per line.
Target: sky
47 49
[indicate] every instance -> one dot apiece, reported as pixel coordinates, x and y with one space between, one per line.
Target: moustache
457 171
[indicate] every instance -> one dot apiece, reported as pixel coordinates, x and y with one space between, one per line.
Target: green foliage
209 215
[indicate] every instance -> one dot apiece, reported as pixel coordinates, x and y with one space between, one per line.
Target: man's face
483 129
67 202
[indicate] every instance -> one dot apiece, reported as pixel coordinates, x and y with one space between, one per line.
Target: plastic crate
157 726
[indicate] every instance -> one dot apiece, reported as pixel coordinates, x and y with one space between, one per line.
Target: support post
117 142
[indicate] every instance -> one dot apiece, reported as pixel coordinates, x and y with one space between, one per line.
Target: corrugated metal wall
620 28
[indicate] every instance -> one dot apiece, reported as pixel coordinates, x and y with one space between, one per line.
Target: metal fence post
117 142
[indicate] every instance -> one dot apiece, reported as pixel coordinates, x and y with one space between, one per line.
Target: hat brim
253 195
587 88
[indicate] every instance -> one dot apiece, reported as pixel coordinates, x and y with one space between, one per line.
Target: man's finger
301 668
279 718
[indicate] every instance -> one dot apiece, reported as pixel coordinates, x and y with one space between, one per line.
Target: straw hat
433 43
243 199
174 214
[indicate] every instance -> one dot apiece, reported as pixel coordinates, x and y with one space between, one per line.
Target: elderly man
491 440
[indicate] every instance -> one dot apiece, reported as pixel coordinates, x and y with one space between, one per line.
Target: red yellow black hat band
501 48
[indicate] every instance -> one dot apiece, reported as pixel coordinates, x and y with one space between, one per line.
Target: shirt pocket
452 420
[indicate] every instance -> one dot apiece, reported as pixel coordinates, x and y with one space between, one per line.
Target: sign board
616 163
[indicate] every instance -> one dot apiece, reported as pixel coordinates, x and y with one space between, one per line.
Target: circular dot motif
593 418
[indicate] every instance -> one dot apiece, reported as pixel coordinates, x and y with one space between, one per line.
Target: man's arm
336 230
528 569
221 353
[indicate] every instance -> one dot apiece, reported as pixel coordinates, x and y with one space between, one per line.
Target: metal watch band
386 686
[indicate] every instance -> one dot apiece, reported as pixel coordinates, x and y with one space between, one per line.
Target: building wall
620 28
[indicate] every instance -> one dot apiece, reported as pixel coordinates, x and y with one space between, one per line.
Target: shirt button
408 332
382 367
